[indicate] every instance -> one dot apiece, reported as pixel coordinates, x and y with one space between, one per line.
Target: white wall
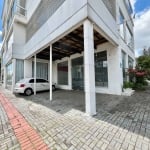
19 33
31 6
115 79
27 68
19 40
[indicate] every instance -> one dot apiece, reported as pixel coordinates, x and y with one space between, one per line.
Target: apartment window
121 25
130 62
128 36
62 69
101 69
11 14
13 9
129 7
21 7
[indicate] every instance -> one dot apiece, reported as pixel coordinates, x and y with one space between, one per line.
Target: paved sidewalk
122 123
26 135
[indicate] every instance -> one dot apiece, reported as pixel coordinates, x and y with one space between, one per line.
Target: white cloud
142 31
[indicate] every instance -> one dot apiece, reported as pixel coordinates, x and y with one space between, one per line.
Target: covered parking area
83 41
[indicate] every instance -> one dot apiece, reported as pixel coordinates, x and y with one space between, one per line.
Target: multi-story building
84 44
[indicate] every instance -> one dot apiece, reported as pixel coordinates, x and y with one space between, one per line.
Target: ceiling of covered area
70 44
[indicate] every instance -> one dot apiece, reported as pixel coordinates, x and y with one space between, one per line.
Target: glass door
77 74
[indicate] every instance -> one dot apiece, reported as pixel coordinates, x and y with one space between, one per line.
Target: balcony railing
15 9
20 10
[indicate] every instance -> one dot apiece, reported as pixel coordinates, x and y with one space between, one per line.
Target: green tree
143 62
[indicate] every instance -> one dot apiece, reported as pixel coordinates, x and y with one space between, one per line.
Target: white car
26 86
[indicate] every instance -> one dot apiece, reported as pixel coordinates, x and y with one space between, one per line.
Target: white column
89 68
50 73
34 74
28 68
14 74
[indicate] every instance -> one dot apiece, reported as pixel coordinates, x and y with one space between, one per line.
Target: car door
43 84
38 86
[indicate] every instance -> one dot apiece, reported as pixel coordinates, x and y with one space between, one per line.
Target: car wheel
53 88
28 92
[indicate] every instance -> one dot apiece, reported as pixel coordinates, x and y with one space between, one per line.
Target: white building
85 44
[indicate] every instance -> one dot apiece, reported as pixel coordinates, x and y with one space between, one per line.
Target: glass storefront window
101 69
19 70
9 74
78 73
41 70
130 62
63 73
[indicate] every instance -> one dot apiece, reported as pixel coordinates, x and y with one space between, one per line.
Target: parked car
26 86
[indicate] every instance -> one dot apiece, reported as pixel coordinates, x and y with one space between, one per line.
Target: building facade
84 45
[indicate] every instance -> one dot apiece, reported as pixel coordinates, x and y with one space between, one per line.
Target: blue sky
140 5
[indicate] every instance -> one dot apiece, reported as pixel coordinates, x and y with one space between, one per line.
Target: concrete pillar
28 68
50 69
14 74
89 68
34 74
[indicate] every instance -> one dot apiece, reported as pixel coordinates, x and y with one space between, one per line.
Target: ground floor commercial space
83 59
68 73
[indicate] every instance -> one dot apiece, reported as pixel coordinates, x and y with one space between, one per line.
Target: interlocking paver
122 123
20 127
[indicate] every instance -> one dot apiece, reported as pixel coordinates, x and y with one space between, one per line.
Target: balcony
21 11
16 11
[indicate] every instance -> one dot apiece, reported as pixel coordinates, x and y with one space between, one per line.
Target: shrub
128 85
139 86
145 83
137 79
